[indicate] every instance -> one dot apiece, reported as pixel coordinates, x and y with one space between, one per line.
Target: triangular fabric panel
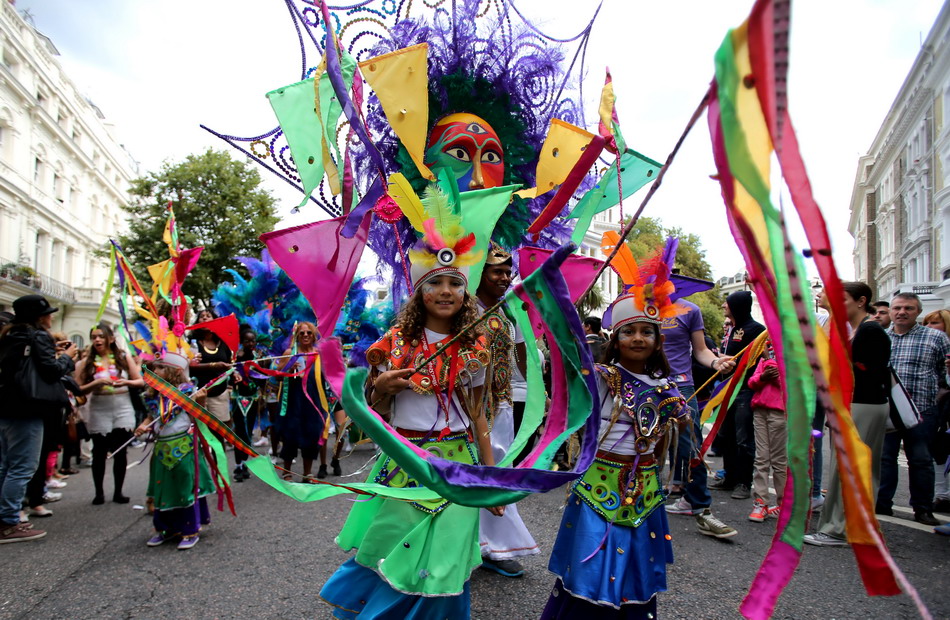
400 80
321 261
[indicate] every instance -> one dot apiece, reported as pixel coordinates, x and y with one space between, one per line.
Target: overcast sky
159 68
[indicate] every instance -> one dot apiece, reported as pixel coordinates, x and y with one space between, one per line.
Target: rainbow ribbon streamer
748 122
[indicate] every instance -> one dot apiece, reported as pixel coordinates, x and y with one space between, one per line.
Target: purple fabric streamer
537 480
367 202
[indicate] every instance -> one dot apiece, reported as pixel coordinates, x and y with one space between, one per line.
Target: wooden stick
656 185
134 437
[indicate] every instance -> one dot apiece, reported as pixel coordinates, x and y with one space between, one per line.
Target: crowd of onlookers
44 441
66 408
890 342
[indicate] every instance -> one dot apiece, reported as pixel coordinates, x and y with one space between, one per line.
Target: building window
38 171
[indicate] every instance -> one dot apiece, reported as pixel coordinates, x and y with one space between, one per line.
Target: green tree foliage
592 300
218 204
649 235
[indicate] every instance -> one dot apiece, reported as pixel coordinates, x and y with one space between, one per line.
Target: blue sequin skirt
630 568
356 591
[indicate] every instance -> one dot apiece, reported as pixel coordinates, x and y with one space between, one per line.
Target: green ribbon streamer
635 171
110 280
800 382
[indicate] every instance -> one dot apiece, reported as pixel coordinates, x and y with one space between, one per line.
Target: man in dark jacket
21 419
737 430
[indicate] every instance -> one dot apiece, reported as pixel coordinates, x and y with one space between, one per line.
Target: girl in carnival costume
613 546
177 491
414 559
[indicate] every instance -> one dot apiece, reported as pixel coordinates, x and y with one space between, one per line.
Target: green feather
437 205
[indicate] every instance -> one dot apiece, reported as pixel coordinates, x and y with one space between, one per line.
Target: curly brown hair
412 319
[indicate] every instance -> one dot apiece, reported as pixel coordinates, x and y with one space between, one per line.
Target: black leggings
102 445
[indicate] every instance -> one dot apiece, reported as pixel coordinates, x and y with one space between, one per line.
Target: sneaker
925 517
817 502
53 483
711 526
820 539
760 512
51 496
775 511
238 474
263 441
741 491
187 542
507 568
158 539
943 530
20 532
720 484
39 511
681 507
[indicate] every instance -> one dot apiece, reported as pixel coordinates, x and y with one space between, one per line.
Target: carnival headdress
445 247
162 315
648 291
268 302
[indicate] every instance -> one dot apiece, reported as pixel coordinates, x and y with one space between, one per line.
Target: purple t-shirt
677 344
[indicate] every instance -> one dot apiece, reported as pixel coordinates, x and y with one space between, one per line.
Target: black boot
322 472
335 464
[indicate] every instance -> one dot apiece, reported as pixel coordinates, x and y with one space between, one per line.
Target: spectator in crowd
738 432
106 373
918 356
768 410
940 446
21 418
595 337
870 356
684 341
881 313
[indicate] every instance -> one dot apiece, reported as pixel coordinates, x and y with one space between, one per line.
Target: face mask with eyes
467 146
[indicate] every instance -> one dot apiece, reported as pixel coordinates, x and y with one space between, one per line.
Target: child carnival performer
613 546
177 490
414 559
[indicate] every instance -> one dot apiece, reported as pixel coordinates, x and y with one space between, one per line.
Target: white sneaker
51 496
261 442
817 503
53 483
681 507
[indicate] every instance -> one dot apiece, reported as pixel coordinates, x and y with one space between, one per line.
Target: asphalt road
271 560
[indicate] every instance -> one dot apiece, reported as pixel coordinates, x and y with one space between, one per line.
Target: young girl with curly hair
414 559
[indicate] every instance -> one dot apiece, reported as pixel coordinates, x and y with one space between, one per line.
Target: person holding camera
31 386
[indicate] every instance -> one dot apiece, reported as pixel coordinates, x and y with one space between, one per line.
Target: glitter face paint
469 148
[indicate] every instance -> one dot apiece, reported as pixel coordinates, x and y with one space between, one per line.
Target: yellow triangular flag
400 80
563 146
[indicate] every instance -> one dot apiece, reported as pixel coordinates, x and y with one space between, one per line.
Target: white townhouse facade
900 202
63 180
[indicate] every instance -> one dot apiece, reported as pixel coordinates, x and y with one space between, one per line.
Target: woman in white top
106 373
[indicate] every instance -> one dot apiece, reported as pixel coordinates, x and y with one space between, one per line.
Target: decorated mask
469 147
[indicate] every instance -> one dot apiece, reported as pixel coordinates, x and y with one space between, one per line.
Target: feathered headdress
268 302
649 292
445 246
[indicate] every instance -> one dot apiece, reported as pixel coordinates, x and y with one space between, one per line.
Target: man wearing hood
737 430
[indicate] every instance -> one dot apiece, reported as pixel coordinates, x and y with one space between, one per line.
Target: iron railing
22 273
